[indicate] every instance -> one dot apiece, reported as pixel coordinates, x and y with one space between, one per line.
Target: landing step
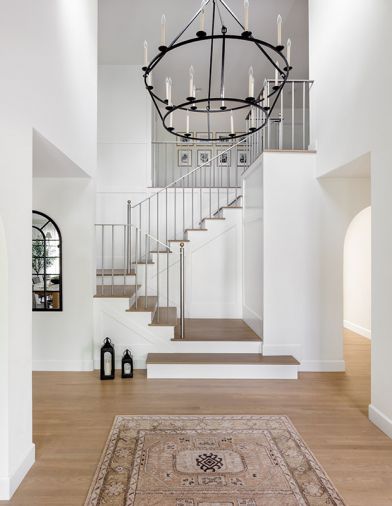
116 291
165 317
115 272
142 306
216 329
221 366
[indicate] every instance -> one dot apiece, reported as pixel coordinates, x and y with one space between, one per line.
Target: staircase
141 286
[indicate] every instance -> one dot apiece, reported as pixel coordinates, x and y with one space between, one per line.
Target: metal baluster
129 243
145 270
303 115
102 259
201 205
182 292
136 264
149 215
140 227
125 258
112 259
218 200
175 212
158 281
183 211
166 163
166 219
210 200
292 114
269 121
167 276
192 210
281 122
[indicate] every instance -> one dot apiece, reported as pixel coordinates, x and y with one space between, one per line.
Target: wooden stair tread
165 317
213 218
141 304
216 329
160 251
118 291
196 230
178 240
116 272
220 358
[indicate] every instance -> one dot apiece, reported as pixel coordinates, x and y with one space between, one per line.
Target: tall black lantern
107 360
127 365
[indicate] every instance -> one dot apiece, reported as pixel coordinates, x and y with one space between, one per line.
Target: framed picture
224 159
202 135
204 157
184 157
242 158
224 138
184 140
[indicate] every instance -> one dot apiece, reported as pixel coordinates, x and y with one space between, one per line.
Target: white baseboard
9 484
380 420
362 331
282 349
63 365
137 363
322 366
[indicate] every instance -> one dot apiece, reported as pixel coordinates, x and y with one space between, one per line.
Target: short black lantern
127 365
107 360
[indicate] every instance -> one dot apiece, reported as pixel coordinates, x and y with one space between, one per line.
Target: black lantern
127 365
107 360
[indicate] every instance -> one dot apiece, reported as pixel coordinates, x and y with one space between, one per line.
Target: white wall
305 222
63 340
357 274
253 247
47 82
352 127
124 135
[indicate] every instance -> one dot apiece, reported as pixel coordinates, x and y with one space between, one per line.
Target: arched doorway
357 274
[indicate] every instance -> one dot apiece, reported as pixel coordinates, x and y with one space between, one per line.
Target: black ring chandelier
265 101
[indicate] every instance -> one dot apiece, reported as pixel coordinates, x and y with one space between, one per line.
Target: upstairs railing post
129 235
182 292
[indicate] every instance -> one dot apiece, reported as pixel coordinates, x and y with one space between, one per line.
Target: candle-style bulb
168 83
279 26
187 123
231 123
246 15
289 52
276 74
191 83
251 91
145 59
202 16
265 92
171 120
163 30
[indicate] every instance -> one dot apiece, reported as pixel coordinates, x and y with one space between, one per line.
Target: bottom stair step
221 366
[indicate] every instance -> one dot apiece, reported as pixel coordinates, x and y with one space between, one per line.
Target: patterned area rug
208 461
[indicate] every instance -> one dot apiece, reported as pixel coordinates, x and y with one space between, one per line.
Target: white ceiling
125 24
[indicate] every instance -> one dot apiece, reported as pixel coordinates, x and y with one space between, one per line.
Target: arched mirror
46 264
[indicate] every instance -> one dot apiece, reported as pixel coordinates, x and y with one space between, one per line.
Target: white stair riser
221 371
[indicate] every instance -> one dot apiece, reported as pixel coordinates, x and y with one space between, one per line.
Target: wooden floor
73 413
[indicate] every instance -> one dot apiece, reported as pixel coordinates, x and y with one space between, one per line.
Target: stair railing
289 126
169 212
122 252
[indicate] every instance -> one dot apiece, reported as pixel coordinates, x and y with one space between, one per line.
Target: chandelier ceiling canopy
211 102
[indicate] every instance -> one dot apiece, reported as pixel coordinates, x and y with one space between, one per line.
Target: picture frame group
203 156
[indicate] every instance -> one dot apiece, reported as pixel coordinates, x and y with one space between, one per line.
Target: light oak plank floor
73 413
